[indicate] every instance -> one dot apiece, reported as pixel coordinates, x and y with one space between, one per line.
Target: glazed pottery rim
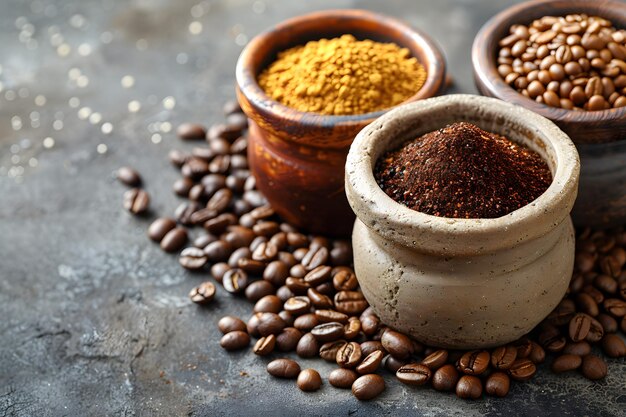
395 221
484 61
246 76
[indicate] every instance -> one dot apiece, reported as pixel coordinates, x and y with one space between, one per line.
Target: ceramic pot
462 283
599 135
298 158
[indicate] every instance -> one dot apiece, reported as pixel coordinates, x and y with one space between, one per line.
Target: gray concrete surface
94 319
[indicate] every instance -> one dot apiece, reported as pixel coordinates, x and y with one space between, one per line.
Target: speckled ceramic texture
463 283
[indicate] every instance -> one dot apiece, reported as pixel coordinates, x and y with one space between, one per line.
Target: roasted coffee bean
474 362
397 344
253 325
613 346
203 153
345 280
537 354
497 384
238 254
128 176
235 340
579 327
445 378
350 302
609 324
276 272
566 362
270 323
159 228
371 346
220 223
306 322
615 307
524 347
469 387
177 157
287 258
522 370
174 239
596 331
349 355
229 324
182 187
318 275
551 340
265 252
184 211
288 339
218 270
594 293
297 285
298 305
255 198
328 332
370 324
367 387
235 281
287 317
587 304
307 346
218 251
414 374
328 351
268 304
259 289
194 168
283 368
228 132
327 316
352 329
284 293
191 131
593 367
136 201
503 357
371 363
563 313
203 293
341 253
315 257
298 271
580 348
203 240
606 284
192 258
342 378
309 380
319 300
265 345
202 216
252 267
436 359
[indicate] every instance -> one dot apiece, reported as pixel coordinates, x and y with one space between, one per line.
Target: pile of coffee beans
307 299
575 62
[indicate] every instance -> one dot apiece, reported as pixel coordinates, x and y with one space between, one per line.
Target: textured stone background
94 319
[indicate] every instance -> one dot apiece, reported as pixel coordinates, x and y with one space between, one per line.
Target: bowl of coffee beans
566 60
463 237
308 86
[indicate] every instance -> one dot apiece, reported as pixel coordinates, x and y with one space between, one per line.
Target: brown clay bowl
599 135
298 158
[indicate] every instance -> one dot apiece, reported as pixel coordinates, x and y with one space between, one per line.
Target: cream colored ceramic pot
462 283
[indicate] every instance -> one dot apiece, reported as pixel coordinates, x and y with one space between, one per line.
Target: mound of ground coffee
462 171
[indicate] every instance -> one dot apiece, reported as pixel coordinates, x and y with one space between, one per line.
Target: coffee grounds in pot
462 171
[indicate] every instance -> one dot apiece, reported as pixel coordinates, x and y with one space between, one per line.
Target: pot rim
434 234
484 62
248 64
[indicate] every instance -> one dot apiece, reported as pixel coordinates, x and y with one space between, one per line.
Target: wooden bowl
581 126
298 158
599 135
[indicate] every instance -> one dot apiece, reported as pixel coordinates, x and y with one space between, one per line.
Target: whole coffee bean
235 281
371 346
342 378
288 339
414 374
235 340
580 348
192 258
220 223
352 329
370 324
524 347
284 293
371 363
327 316
298 305
606 284
522 370
229 324
537 354
306 322
252 267
270 323
609 324
594 293
265 252
328 351
194 168
550 339
182 187
184 212
615 307
579 327
268 304
202 216
203 293
445 378
136 201
397 344
328 332
566 362
436 359
218 251
318 275
177 157
265 345
563 313
203 240
613 346
587 304
596 331
319 300
474 362
392 364
497 384
350 302
349 355
276 272
287 317
315 257
309 380
159 228
469 387
283 368
259 289
367 387
191 131
307 346
174 239
345 280
128 176
503 357
593 367
218 271
253 324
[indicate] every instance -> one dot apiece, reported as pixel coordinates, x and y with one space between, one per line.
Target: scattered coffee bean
593 367
397 344
192 258
497 384
503 357
235 340
269 303
522 370
159 228
436 359
191 131
445 378
203 293
613 346
174 239
136 201
342 378
128 176
283 368
235 281
474 362
328 351
307 346
265 345
469 387
371 346
229 324
367 387
414 374
349 355
579 327
371 363
328 332
288 339
566 362
309 380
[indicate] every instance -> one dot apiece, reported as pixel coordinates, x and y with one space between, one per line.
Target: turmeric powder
343 76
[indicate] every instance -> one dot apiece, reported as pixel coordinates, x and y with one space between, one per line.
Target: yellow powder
343 76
